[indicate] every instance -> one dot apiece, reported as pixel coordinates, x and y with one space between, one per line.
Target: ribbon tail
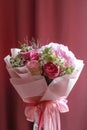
52 119
58 122
41 121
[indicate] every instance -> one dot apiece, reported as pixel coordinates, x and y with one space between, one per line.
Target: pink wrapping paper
29 86
47 101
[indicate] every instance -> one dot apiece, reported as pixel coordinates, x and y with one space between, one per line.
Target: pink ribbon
47 113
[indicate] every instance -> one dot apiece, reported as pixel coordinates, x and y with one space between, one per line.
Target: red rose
30 55
25 55
51 70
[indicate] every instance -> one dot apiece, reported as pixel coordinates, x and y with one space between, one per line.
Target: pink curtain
62 21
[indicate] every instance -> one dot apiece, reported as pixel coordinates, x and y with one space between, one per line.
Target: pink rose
30 55
51 70
34 67
34 55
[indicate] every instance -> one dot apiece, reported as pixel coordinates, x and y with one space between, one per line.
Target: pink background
62 21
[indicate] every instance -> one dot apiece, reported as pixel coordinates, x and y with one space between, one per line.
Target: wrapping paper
44 101
29 86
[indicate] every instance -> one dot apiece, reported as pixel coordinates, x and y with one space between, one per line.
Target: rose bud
34 67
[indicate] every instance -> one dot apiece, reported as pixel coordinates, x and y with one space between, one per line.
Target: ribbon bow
47 113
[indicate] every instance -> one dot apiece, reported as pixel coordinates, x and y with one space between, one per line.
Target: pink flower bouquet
44 77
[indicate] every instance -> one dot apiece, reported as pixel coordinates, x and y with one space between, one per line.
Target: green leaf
47 50
24 47
69 70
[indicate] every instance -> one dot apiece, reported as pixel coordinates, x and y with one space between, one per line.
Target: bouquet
44 76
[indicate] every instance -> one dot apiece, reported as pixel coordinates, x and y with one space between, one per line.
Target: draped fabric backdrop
62 21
